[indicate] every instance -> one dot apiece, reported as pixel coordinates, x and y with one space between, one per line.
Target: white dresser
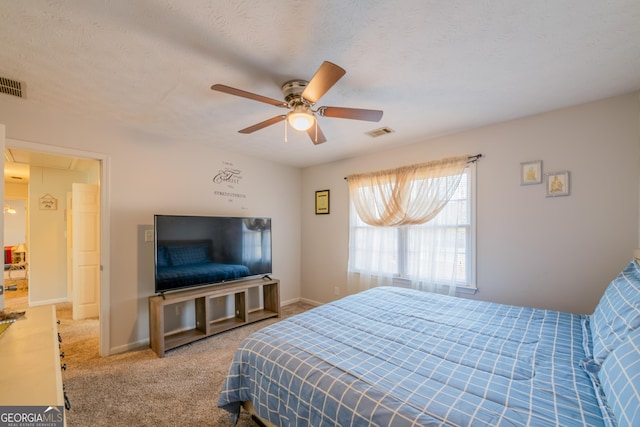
30 371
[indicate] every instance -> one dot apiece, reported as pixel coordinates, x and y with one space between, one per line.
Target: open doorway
16 266
49 176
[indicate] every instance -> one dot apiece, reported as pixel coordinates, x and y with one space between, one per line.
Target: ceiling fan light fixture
300 98
300 119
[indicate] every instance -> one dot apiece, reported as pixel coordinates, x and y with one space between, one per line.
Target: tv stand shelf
205 323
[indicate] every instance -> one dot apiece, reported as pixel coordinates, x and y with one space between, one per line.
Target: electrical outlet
177 310
336 291
148 235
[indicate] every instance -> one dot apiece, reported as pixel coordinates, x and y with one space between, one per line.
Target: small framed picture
48 203
557 183
531 172
322 202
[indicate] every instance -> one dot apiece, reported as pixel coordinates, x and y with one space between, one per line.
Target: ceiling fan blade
351 113
261 125
316 135
326 76
238 92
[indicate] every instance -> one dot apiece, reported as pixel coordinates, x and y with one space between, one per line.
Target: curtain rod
470 159
473 159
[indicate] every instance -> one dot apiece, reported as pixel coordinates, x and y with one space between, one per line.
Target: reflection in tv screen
195 251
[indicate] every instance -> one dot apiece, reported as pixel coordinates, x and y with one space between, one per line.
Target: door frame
105 268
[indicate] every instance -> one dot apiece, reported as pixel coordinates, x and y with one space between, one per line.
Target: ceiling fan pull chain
316 138
286 126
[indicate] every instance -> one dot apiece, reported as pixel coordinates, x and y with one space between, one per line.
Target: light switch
148 235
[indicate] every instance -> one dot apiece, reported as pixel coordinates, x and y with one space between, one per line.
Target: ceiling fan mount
292 91
299 97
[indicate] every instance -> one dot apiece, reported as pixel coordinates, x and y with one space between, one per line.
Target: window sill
460 290
466 291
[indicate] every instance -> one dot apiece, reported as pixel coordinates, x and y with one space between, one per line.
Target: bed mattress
400 357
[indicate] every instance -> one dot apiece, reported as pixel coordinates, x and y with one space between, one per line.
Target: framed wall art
557 183
322 202
48 203
531 172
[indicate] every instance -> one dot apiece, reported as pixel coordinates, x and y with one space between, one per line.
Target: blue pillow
620 379
617 313
162 258
185 255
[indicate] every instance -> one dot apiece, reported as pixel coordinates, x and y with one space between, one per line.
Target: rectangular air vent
11 87
379 132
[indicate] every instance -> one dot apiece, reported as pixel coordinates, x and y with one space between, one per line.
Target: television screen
195 251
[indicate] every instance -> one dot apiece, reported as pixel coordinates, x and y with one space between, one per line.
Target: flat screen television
193 251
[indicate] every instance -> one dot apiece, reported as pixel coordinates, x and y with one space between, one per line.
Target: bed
399 357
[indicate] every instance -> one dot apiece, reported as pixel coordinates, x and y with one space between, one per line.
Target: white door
85 241
69 232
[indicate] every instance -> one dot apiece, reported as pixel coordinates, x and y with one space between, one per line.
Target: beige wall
547 252
557 253
15 225
16 191
48 234
149 174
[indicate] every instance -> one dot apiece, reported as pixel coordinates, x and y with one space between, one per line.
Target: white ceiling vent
379 132
11 87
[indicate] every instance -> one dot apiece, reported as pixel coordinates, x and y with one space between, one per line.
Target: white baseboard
47 302
303 300
130 347
311 302
289 302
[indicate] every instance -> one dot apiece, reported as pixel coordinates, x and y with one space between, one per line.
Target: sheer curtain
392 236
256 243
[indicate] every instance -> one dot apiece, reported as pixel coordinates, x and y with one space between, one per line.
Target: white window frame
463 287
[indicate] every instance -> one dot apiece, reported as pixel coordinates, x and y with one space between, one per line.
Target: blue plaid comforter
399 357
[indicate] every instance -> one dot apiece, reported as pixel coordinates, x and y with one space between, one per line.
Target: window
438 253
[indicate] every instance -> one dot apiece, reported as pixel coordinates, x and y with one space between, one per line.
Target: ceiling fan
300 97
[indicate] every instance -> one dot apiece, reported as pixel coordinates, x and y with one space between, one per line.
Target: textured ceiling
434 67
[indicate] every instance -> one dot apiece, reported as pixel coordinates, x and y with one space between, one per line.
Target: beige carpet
138 388
16 300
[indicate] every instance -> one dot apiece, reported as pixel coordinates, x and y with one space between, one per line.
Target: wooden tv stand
207 321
